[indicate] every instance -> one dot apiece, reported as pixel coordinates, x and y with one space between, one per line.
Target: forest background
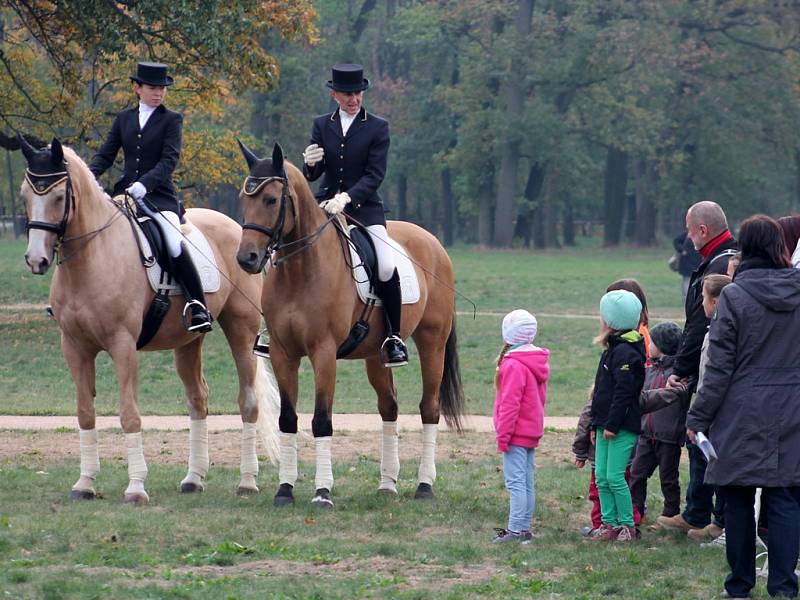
514 123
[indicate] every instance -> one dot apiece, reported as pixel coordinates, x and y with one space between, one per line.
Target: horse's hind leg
189 364
430 343
381 380
82 366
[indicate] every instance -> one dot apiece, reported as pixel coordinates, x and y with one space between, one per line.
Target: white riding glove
336 204
313 154
137 191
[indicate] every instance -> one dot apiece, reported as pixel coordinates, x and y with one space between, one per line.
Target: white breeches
383 251
170 225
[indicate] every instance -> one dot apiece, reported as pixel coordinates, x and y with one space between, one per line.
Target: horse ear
251 158
277 158
56 152
28 151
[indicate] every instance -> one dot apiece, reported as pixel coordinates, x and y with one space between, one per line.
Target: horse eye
270 200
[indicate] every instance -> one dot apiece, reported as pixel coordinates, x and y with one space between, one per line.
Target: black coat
355 163
749 403
618 384
687 360
151 154
688 258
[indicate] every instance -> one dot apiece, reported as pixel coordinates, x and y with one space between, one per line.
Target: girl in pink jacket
521 383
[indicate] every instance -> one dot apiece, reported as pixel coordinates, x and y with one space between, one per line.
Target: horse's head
267 208
47 193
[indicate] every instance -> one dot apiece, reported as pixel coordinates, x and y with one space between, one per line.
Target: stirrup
403 360
261 345
202 326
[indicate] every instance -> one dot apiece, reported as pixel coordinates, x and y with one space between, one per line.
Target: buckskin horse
99 296
310 302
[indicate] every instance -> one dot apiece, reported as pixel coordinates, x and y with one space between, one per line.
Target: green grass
35 379
215 545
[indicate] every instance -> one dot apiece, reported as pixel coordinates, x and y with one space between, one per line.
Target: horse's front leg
323 360
189 365
126 364
81 362
286 375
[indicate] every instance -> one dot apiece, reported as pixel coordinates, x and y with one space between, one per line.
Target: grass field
215 545
558 287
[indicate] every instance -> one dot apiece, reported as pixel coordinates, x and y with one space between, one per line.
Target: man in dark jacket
350 148
707 227
688 259
748 408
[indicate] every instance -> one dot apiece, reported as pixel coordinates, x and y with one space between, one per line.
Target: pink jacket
520 399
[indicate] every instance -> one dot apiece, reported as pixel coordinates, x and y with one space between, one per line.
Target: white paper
704 444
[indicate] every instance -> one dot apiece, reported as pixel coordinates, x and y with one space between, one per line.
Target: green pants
611 460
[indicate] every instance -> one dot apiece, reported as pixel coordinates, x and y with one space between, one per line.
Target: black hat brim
359 87
167 81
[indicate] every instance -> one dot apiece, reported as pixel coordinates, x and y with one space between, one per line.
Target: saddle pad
409 285
201 253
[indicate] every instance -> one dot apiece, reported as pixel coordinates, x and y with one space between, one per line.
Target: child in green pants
615 413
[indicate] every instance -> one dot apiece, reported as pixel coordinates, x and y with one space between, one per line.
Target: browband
252 185
43 183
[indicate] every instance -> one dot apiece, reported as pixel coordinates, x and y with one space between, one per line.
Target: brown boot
709 532
676 523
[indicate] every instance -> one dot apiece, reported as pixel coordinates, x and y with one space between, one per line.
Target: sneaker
506 535
525 537
587 531
717 542
676 523
626 534
394 352
709 532
604 533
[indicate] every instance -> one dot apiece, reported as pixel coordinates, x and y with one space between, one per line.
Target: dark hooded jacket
749 401
618 384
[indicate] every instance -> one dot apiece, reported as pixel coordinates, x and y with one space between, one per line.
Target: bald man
707 227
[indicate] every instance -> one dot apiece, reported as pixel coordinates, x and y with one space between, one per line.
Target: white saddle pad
202 255
409 285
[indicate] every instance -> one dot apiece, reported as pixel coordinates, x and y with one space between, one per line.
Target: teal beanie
621 310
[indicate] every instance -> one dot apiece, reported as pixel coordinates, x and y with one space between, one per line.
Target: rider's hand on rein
336 204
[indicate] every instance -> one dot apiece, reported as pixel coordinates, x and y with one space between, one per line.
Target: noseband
42 184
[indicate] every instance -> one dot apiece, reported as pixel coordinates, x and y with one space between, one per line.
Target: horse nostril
44 264
253 258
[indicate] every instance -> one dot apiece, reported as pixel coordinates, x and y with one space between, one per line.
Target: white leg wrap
249 459
287 471
324 477
390 459
90 460
427 464
198 447
137 468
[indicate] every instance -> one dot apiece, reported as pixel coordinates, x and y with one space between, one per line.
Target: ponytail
503 351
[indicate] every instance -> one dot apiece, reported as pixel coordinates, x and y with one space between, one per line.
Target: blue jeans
783 517
700 496
518 471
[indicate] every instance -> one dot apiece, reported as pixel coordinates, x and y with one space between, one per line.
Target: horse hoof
137 499
190 487
322 499
388 491
82 495
284 497
244 492
424 492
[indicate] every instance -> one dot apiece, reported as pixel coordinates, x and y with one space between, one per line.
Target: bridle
253 185
42 183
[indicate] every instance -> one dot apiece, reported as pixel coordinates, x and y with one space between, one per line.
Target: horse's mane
83 182
302 197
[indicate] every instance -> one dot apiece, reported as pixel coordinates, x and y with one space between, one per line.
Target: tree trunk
539 237
631 216
485 217
616 182
13 195
568 226
448 208
402 199
648 213
509 153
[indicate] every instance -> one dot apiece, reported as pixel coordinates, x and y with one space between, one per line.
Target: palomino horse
310 301
99 296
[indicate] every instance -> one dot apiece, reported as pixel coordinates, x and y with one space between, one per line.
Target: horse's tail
451 392
269 406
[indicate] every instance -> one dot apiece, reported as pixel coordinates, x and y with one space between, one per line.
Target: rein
42 183
252 186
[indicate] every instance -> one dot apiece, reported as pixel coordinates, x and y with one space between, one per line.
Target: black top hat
151 74
348 78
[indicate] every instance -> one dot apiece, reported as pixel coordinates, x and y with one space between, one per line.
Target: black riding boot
186 273
393 350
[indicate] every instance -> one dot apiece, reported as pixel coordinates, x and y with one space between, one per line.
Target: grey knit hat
667 337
